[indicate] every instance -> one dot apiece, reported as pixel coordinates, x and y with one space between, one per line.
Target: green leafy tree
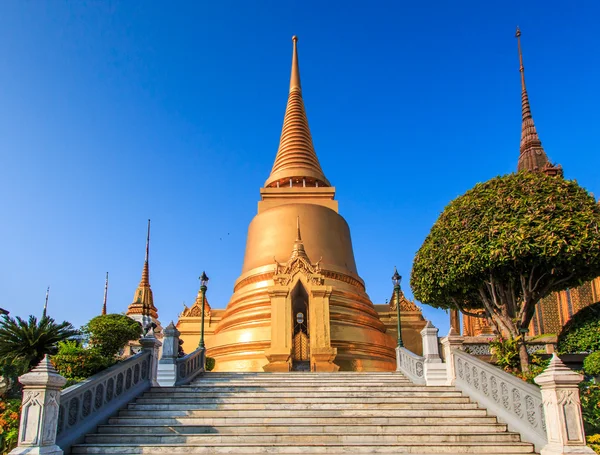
77 363
506 244
109 333
24 343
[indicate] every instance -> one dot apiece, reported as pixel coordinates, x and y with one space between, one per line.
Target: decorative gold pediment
196 309
405 304
284 274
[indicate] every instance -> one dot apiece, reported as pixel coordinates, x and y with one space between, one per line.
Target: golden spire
296 163
145 271
298 250
143 299
532 156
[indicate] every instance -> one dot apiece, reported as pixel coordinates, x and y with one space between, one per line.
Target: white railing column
451 342
562 410
435 370
39 414
149 343
167 365
431 351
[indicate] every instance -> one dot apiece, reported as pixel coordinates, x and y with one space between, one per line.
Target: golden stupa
299 302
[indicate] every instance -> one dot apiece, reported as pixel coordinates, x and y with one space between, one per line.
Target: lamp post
396 278
203 282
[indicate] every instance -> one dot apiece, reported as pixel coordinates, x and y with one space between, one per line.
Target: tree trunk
523 355
509 329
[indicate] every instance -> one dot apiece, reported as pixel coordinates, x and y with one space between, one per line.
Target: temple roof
143 299
196 309
532 156
296 158
405 304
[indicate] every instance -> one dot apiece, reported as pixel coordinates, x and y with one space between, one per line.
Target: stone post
39 413
451 342
562 410
431 351
434 370
167 365
149 343
398 359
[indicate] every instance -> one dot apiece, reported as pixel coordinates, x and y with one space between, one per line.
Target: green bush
591 364
506 353
110 333
10 415
210 364
77 363
589 392
582 332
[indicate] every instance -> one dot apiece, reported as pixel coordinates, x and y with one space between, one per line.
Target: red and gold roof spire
532 155
143 300
296 161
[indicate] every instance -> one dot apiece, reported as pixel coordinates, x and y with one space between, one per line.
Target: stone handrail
411 364
190 366
85 405
512 400
483 347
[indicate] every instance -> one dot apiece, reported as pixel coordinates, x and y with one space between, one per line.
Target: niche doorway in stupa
300 329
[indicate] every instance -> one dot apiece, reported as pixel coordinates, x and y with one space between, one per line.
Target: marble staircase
303 413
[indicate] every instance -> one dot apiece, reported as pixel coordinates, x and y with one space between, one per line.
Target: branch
467 313
538 282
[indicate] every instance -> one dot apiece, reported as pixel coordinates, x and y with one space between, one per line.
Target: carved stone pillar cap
43 375
429 328
171 330
453 337
149 342
557 373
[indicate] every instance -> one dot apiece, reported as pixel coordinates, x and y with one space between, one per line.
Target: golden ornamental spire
298 250
143 299
532 156
296 163
295 76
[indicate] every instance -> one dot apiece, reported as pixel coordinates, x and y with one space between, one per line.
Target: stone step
327 412
314 419
281 383
299 406
375 401
446 428
300 439
287 374
318 448
301 388
190 393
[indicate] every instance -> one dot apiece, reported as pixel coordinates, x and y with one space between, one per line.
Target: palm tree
23 344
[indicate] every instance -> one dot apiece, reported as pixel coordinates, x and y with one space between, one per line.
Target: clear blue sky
115 112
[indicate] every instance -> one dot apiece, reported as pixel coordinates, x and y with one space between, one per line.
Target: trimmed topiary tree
506 244
110 333
582 332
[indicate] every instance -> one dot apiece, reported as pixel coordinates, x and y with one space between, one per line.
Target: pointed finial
105 295
521 67
146 270
295 77
148 241
46 303
298 235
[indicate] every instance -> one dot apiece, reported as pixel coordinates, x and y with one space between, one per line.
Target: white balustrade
511 399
